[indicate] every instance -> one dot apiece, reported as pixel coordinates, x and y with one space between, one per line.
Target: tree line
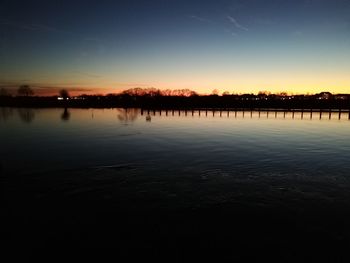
179 98
27 91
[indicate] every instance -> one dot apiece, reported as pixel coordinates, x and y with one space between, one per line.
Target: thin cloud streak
33 27
201 19
236 24
49 29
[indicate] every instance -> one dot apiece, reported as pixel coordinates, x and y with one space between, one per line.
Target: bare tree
167 92
135 92
215 92
25 90
64 94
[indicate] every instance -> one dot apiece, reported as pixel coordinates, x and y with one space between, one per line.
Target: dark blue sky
241 46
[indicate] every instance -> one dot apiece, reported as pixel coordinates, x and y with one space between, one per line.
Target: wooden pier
261 113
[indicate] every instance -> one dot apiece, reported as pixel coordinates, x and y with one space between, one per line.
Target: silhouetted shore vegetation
175 99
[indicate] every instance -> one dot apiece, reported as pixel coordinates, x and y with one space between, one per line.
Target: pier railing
312 113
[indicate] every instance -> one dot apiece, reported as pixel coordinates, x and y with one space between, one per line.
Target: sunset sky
245 46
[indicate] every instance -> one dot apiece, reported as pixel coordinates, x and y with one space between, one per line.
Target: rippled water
206 158
174 185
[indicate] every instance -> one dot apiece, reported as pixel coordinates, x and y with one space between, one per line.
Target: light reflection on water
286 149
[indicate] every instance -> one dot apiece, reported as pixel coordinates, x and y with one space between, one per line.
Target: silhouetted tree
25 90
167 92
135 92
64 94
153 92
263 94
215 92
282 94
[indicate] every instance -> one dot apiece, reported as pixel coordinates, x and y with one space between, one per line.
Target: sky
299 46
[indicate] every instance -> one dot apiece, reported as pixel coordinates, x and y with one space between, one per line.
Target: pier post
311 114
339 117
293 113
192 112
220 113
166 112
276 114
330 114
173 112
320 114
228 113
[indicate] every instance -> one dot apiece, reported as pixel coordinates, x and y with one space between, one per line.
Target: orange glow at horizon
290 90
235 84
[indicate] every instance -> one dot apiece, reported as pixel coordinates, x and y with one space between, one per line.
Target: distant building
342 97
324 96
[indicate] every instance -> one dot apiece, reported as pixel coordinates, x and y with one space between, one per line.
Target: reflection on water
97 170
27 115
234 142
65 116
5 113
127 115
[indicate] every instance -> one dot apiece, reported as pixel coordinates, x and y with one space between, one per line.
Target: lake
188 184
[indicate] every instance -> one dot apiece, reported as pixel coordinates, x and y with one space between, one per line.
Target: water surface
125 160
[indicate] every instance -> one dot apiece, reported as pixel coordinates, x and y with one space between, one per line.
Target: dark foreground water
245 186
